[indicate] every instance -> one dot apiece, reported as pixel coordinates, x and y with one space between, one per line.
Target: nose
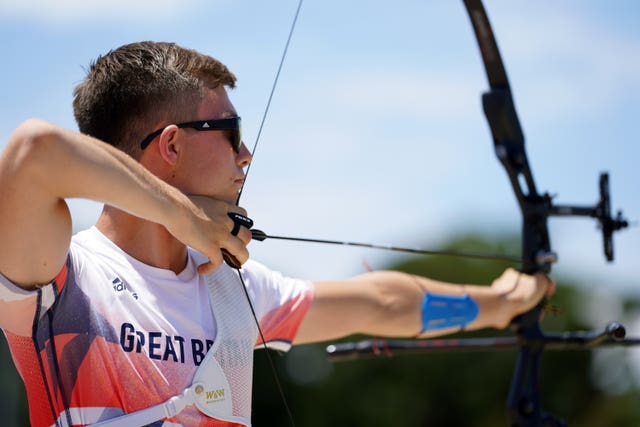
244 156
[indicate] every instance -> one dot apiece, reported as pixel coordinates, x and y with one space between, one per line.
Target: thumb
214 262
206 268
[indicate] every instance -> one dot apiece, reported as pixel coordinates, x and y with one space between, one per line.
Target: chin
228 197
231 199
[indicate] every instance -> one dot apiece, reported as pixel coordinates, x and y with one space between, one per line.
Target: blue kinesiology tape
445 311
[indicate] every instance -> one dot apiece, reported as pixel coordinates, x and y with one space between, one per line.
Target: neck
145 241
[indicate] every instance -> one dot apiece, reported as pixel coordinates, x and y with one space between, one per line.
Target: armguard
445 311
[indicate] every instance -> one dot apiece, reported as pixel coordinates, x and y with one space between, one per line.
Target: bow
524 401
524 404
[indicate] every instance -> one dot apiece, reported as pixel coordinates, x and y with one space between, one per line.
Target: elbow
32 133
29 147
398 300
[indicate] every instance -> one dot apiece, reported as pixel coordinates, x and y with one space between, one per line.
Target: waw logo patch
211 396
214 395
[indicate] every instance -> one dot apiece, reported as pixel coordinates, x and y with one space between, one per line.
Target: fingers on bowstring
241 232
237 248
238 222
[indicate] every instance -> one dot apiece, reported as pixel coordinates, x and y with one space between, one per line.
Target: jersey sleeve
20 308
280 303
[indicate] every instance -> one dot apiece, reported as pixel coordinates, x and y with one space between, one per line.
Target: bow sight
509 146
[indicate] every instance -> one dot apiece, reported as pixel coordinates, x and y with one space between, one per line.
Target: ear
169 144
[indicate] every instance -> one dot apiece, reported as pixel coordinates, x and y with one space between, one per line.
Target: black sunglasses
231 124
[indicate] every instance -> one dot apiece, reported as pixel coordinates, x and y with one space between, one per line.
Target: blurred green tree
442 389
13 400
431 389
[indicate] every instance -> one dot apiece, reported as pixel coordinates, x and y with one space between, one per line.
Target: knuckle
245 235
241 210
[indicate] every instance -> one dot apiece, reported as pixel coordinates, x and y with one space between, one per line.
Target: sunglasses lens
238 140
238 136
235 139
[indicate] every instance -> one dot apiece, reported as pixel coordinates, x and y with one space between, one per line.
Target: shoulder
261 274
85 246
253 272
91 244
265 284
88 238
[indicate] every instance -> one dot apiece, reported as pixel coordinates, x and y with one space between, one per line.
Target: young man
118 318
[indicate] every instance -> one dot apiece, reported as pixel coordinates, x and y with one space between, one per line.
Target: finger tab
240 220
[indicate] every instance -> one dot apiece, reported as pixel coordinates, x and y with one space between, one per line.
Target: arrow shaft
505 258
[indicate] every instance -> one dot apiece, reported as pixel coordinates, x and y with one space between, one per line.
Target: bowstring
253 151
273 89
266 349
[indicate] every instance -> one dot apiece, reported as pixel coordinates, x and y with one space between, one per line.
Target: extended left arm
392 304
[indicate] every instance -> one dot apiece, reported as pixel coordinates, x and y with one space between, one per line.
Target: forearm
492 306
41 166
468 307
401 297
65 164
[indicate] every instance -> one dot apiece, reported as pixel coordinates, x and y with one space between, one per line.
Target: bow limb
524 402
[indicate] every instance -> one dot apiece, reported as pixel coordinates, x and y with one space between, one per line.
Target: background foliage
446 389
431 389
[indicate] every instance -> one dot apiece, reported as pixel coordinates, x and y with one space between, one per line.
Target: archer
116 318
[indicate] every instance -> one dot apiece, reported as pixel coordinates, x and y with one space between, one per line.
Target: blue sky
376 132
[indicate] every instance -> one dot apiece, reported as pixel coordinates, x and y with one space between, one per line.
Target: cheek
190 171
206 169
200 159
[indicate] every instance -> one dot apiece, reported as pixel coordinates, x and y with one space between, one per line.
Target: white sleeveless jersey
111 335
